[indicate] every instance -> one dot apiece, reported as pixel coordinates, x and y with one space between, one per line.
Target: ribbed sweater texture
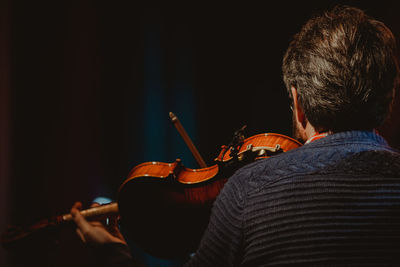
332 202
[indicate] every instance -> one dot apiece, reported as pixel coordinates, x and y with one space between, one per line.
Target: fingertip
94 204
80 221
77 205
73 211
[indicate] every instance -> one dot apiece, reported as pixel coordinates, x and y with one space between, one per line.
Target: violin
15 237
164 207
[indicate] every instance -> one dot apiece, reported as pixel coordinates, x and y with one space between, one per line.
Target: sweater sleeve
221 244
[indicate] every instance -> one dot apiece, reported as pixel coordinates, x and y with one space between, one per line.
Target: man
335 200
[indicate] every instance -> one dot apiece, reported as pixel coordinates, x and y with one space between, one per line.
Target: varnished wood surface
165 207
259 142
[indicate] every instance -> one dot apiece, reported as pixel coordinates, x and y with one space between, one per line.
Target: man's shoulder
380 162
252 175
299 160
309 159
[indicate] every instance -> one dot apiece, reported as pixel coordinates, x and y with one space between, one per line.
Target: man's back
335 202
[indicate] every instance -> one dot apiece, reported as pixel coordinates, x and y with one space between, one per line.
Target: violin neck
103 210
12 236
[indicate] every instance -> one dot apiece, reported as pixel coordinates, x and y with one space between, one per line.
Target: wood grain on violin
165 207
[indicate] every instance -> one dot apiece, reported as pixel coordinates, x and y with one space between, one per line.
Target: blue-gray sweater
333 202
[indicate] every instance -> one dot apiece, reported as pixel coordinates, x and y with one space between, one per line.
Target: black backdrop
86 87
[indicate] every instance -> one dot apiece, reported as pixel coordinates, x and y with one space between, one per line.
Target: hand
95 232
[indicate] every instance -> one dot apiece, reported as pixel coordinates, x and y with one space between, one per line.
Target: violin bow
188 141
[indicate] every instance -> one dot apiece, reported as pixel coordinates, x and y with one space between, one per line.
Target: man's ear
297 109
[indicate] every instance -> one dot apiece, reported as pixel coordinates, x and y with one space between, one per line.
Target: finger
95 204
77 205
81 236
75 208
80 221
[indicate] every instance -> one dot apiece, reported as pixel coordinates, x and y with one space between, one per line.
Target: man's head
342 69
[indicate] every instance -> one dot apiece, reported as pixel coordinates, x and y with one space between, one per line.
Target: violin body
164 217
165 207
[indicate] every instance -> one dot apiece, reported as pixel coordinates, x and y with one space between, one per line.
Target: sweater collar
316 137
361 137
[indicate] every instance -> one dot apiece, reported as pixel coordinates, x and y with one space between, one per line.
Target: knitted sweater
333 202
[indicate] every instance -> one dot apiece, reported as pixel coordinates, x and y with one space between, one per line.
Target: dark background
86 87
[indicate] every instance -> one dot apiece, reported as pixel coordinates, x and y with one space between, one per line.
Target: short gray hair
344 67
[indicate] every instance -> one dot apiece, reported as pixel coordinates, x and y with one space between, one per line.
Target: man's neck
309 131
